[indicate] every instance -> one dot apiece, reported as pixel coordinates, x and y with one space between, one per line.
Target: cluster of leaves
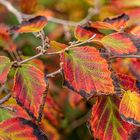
94 66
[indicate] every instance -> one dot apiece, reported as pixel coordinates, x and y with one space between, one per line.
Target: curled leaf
35 24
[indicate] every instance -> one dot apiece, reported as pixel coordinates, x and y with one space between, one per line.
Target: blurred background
66 112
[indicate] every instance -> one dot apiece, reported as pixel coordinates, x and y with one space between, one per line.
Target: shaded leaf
5 66
35 24
50 130
105 121
5 41
20 129
120 43
30 89
127 82
129 107
86 72
134 68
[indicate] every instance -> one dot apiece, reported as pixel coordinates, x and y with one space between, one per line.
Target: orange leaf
105 121
20 129
86 72
5 66
30 90
130 107
35 24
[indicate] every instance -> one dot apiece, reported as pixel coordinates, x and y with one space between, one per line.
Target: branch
90 14
126 56
73 45
20 15
4 99
54 73
78 122
12 9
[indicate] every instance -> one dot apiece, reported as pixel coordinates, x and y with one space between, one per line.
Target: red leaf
5 66
86 72
82 33
20 129
120 43
106 122
134 68
30 89
130 107
127 82
32 25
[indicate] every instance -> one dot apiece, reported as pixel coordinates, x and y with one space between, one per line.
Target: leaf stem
54 73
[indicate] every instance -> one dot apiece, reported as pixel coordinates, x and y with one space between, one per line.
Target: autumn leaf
120 43
5 66
82 33
12 111
86 72
30 89
127 82
50 130
5 40
57 46
103 25
105 121
129 107
134 68
20 129
35 24
118 22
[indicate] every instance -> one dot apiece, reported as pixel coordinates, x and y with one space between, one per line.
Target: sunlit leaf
20 129
86 72
5 66
103 25
29 89
57 46
129 107
106 123
120 43
125 3
82 33
35 24
118 22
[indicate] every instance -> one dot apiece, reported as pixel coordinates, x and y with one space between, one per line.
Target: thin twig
20 15
54 73
31 58
73 45
12 9
8 108
4 99
126 56
72 23
78 122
